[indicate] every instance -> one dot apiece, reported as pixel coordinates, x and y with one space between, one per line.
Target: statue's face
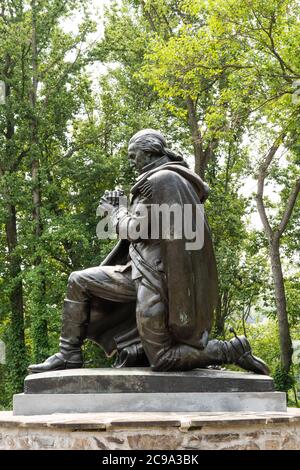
139 158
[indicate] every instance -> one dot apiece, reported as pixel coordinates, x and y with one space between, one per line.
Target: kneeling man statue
152 300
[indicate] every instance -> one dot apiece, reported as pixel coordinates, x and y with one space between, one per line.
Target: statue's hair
150 140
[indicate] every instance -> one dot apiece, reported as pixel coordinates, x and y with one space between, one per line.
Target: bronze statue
152 300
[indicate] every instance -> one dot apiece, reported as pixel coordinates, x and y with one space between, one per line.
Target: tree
217 77
274 235
233 62
268 34
36 74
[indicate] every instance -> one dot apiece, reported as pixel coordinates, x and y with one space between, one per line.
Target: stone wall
164 431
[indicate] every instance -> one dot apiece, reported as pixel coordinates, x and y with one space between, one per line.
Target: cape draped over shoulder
191 274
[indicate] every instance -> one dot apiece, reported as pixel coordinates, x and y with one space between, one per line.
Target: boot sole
64 367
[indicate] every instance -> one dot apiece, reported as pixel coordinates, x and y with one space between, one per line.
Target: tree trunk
284 330
274 236
16 345
219 328
35 163
39 321
200 160
16 353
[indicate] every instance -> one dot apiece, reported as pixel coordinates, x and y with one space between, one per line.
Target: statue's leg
103 282
236 351
165 355
151 319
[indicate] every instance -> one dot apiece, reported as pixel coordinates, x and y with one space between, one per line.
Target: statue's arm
132 224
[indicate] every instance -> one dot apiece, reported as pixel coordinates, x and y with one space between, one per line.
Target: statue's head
146 146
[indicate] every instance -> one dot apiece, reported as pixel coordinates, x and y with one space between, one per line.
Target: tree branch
289 208
148 16
70 152
262 174
20 157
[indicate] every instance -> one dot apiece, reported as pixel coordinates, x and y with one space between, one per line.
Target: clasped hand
111 199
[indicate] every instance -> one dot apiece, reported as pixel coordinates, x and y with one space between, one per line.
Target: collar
160 161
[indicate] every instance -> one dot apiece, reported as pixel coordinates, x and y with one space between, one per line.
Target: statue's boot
75 319
132 356
236 351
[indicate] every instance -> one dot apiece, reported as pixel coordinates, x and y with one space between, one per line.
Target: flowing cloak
191 274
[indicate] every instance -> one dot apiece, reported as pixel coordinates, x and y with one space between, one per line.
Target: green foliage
283 381
42 121
217 77
95 357
263 337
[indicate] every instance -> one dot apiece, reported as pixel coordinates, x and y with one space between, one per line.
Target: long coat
191 273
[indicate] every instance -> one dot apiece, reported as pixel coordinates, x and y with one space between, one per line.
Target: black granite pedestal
140 389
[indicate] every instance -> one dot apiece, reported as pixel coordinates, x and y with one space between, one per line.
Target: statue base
141 390
151 431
